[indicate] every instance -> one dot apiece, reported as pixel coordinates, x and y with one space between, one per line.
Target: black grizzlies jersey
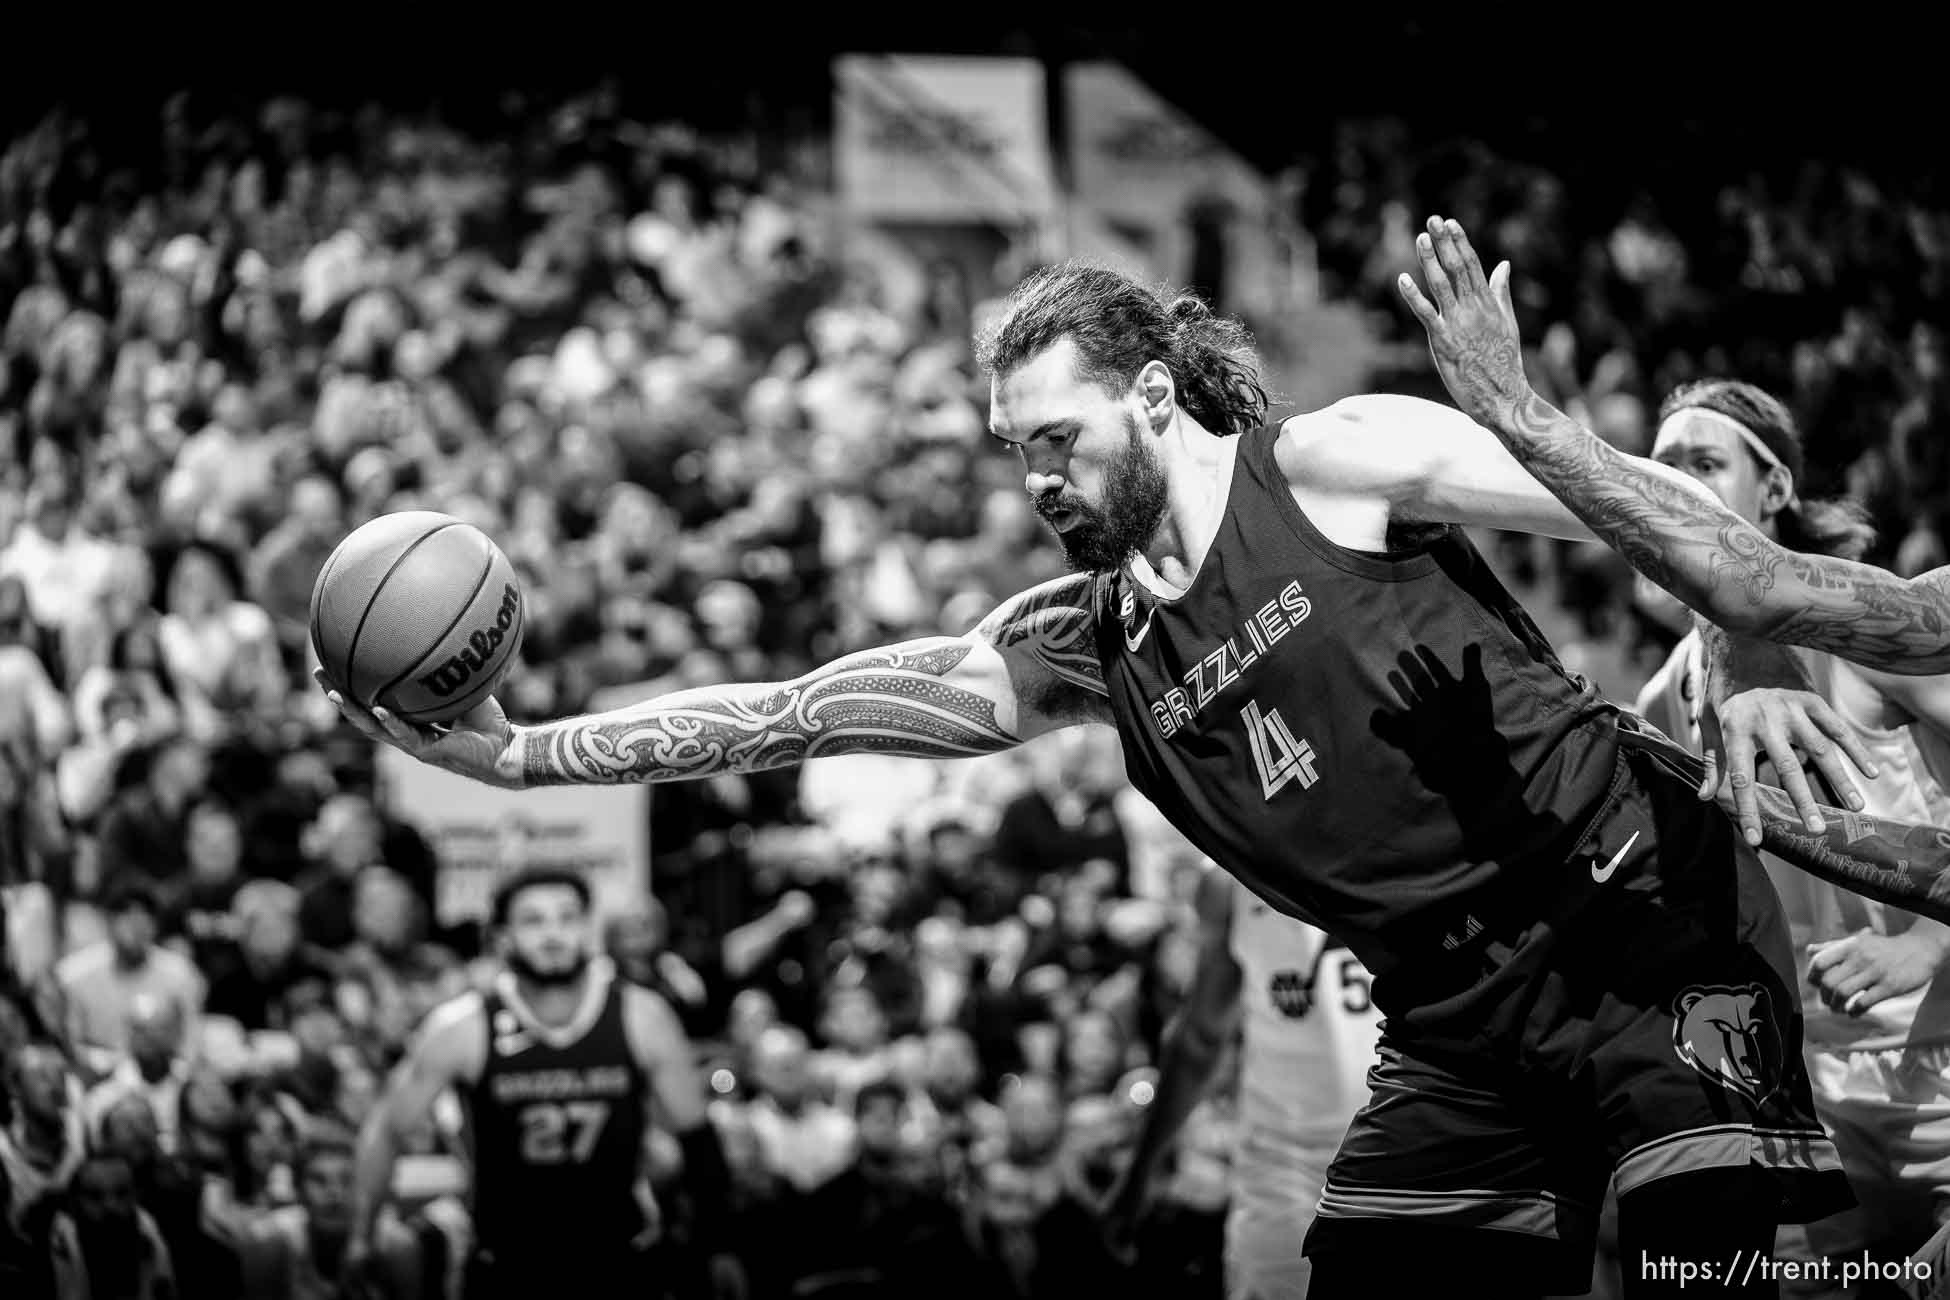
558 1123
1383 746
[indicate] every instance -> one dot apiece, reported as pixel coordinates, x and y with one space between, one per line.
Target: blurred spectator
199 910
1094 1054
950 1107
298 1250
64 568
1033 1113
855 1056
342 842
252 973
220 649
636 938
1035 1240
883 1224
400 974
44 1141
153 1069
1070 817
804 1140
100 985
170 1190
143 831
103 1243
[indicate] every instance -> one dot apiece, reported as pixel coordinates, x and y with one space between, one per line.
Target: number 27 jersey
557 1120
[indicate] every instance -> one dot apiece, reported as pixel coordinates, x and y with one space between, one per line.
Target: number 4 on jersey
1278 756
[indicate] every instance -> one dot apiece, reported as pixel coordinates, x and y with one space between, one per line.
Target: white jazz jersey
1310 1029
1816 910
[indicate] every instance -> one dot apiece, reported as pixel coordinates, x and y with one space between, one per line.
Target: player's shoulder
1352 446
650 1024
86 962
1328 428
1062 609
1053 626
455 1027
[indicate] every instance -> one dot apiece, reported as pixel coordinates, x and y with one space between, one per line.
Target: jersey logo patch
1128 611
1279 757
1726 1035
1602 876
1291 993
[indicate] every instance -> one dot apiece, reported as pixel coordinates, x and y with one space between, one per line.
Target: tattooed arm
1685 540
1029 668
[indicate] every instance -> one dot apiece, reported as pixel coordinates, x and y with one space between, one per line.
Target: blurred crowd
644 364
1826 285
718 445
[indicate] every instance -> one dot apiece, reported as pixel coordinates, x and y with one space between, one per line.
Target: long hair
1118 326
1838 527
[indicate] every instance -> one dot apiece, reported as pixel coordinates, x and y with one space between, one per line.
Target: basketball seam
487 571
319 586
378 588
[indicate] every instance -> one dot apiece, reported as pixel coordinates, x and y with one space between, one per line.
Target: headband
1762 452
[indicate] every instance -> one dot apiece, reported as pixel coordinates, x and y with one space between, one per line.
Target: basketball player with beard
1321 683
557 1067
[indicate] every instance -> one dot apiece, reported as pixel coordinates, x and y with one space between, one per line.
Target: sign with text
480 834
1147 177
943 139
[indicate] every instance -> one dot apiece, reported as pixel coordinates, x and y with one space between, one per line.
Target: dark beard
547 979
1136 493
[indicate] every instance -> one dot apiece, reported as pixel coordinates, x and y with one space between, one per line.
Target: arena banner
950 140
479 834
1147 180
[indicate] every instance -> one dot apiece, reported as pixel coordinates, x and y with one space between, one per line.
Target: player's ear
1159 391
1776 491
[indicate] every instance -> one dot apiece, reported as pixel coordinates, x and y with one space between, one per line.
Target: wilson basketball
417 612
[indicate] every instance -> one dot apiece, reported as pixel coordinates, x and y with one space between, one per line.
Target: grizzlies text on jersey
1386 747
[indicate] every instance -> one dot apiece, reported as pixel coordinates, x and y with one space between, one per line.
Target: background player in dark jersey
557 1068
1324 687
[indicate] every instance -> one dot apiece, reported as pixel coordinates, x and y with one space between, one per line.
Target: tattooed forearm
894 700
1736 663
1722 566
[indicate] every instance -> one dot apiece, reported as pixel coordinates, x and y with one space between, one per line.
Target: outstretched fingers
1440 287
1465 268
1424 309
1500 287
376 724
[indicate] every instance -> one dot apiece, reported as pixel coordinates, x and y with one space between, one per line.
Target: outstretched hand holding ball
415 619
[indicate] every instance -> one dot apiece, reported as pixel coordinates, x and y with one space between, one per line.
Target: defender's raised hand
1472 326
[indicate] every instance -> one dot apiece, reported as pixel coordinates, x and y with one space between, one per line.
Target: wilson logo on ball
474 656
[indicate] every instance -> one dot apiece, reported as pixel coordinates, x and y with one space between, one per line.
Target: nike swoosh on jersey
1131 643
1602 876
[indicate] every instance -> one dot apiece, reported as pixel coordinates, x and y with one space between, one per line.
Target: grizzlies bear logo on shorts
1727 1035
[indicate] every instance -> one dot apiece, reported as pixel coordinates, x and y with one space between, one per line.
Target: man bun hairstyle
1118 325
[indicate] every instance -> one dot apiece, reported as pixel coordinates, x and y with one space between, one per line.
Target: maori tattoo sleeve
1054 627
1725 568
905 699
